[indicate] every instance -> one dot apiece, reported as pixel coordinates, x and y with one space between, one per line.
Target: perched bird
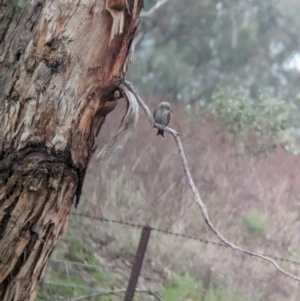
162 115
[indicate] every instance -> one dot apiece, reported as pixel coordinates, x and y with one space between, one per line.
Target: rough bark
59 64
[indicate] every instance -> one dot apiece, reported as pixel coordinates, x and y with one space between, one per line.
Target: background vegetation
231 71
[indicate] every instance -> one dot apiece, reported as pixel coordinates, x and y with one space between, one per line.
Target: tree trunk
60 62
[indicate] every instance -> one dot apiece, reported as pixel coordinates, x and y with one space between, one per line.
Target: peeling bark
59 66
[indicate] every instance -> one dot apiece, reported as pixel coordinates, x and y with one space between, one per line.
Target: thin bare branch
155 7
195 191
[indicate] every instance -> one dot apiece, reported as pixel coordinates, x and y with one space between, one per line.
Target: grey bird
162 115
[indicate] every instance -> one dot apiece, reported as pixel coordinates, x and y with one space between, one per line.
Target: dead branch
127 126
155 7
194 189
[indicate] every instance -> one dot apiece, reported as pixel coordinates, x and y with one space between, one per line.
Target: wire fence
202 240
84 277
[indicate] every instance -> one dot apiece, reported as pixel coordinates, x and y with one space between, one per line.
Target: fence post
137 264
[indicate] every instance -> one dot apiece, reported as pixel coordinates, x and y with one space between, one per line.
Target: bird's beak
171 110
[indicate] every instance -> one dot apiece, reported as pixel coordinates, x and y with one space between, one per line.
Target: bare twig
194 189
115 292
155 7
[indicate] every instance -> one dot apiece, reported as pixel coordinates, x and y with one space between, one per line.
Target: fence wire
202 240
80 278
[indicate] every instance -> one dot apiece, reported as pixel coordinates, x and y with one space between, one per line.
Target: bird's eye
117 94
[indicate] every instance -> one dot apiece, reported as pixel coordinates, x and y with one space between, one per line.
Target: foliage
264 120
188 48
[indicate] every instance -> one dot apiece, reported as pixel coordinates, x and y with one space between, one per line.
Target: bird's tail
160 132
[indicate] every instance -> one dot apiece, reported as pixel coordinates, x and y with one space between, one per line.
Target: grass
81 252
256 223
182 288
188 288
66 279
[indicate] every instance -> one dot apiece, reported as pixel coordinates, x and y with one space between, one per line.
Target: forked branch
194 189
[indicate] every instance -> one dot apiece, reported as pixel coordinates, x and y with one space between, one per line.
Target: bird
162 114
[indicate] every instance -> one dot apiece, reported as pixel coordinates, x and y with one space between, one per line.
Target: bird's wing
168 118
155 111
